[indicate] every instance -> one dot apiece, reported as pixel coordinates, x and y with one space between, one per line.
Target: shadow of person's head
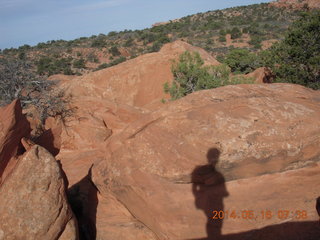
213 156
202 173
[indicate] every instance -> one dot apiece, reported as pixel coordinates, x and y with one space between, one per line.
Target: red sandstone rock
84 134
262 131
136 82
33 200
27 143
261 75
13 126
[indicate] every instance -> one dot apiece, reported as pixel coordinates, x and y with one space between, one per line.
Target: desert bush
117 61
18 81
235 33
41 45
241 60
156 46
222 32
114 51
222 38
112 34
162 38
191 75
187 73
128 42
24 47
102 66
99 42
49 66
296 59
15 75
112 63
79 63
147 37
22 55
52 103
255 41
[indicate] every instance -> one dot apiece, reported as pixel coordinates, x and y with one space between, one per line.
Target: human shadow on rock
209 190
83 198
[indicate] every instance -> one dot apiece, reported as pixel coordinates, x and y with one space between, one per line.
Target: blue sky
34 21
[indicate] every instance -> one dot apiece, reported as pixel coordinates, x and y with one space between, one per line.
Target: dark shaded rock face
33 200
13 126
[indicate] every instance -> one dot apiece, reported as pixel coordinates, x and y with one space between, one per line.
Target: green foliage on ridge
206 30
296 59
190 75
241 60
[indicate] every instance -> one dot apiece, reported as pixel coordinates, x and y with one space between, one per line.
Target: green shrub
235 33
191 75
222 32
296 59
113 63
187 73
155 47
79 63
256 41
41 45
24 47
162 39
50 66
148 37
22 56
241 60
117 61
112 34
222 38
114 51
102 66
128 42
99 42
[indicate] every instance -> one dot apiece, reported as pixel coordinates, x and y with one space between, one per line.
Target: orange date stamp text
260 215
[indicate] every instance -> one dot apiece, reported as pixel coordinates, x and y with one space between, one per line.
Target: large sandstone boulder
13 126
136 82
161 167
33 200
